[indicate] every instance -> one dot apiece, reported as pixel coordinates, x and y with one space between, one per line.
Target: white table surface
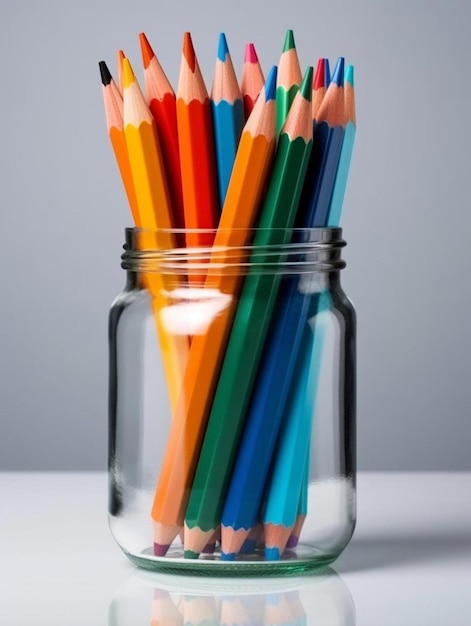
408 563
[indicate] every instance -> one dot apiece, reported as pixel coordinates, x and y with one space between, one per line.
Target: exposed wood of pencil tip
191 85
299 120
289 70
156 81
332 108
225 85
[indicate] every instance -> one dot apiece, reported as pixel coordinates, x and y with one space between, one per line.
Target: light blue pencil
228 115
284 488
338 194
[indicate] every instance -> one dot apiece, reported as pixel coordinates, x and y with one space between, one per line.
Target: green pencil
249 328
288 80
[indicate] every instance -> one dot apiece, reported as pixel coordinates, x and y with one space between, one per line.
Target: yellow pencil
154 208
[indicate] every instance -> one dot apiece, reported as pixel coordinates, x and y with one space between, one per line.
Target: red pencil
196 143
252 79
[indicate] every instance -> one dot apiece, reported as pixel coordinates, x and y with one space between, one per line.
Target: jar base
302 561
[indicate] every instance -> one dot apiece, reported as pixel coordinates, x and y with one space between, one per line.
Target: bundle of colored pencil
272 154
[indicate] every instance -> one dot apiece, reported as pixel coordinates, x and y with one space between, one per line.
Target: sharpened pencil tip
128 74
223 49
105 73
248 546
306 86
250 54
272 554
189 51
319 75
270 84
228 556
292 542
349 75
160 549
337 76
326 72
289 41
146 50
189 554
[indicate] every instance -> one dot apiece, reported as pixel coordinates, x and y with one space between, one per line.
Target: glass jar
232 403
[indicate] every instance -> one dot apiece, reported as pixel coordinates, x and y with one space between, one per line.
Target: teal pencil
338 194
284 487
288 80
228 115
249 328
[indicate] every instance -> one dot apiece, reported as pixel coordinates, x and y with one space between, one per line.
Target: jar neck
238 252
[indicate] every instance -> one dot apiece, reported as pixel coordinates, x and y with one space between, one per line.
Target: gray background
406 217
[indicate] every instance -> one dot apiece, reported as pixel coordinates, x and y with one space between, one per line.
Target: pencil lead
289 41
270 84
189 51
326 72
319 74
189 554
160 549
349 75
223 49
250 54
272 554
337 76
228 556
146 50
128 74
105 73
306 86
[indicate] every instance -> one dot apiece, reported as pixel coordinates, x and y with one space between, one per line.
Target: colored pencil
278 611
288 81
284 488
113 102
196 146
155 212
161 100
335 210
252 80
240 210
119 70
328 139
338 194
249 328
293 539
319 85
264 416
228 115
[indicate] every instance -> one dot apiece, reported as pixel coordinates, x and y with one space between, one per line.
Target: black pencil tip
106 77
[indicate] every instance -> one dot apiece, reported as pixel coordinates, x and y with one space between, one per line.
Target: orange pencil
251 169
155 213
113 102
196 144
252 80
162 103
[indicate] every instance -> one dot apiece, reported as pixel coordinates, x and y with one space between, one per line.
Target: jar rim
260 250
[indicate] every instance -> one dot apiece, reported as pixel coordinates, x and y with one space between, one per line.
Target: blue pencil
228 115
244 496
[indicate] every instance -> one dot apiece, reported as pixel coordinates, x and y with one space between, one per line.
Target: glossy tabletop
408 563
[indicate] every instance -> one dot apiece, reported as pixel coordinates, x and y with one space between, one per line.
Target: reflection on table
147 599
